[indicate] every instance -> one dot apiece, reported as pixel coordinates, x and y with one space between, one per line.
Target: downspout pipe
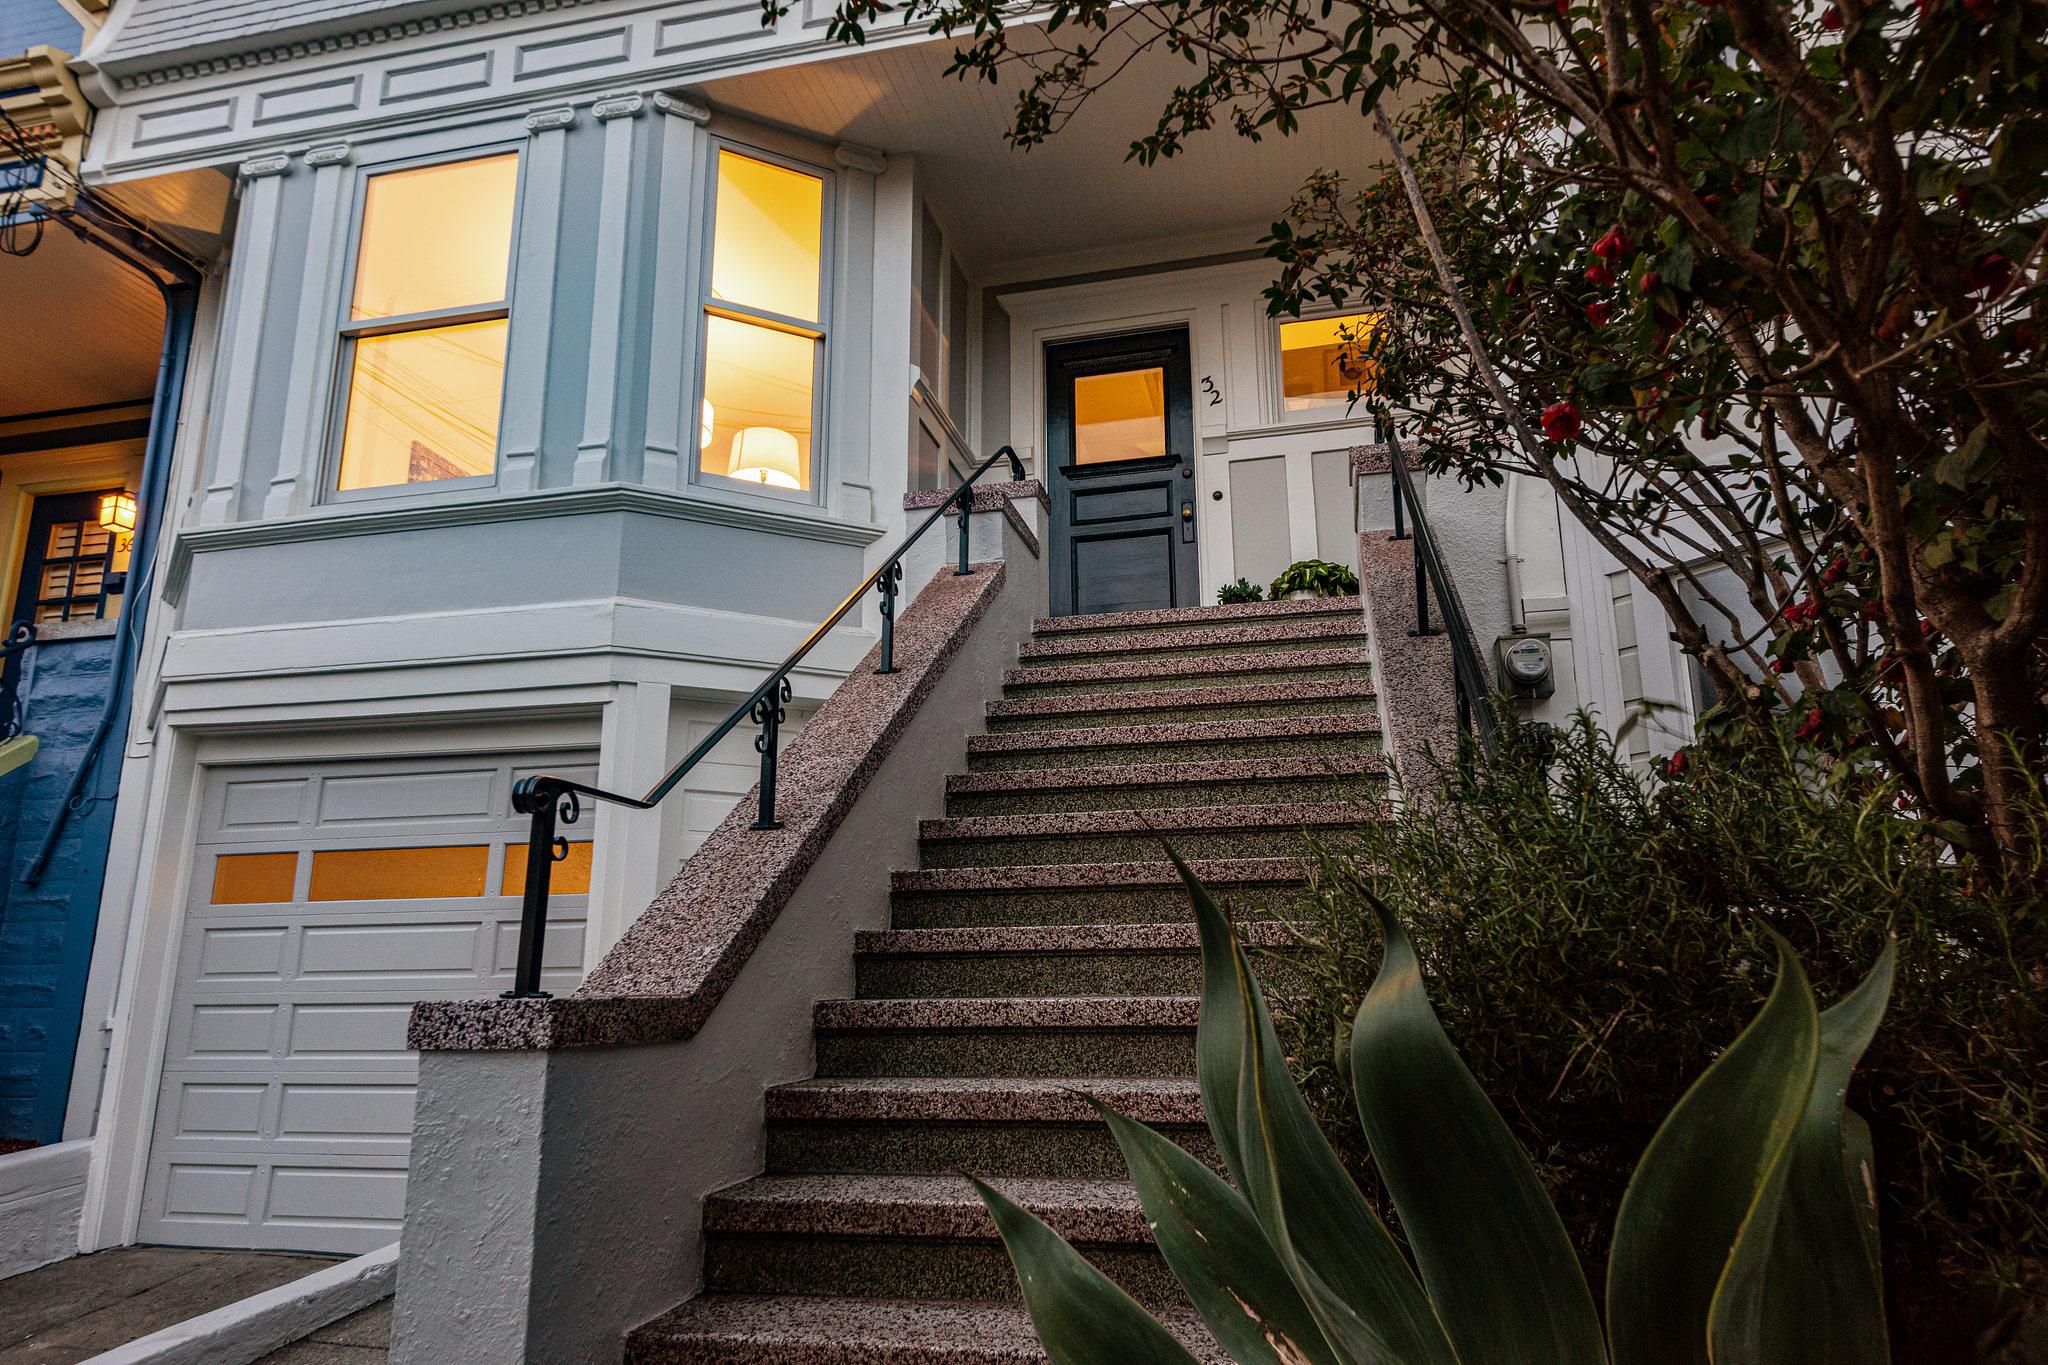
181 307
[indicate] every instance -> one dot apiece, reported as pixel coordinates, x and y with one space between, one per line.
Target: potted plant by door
1314 578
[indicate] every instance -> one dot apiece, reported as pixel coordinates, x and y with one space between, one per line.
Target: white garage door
324 902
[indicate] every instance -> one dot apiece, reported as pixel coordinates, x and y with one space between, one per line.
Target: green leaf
1212 1241
1804 1282
1695 1186
1493 1253
1341 1258
1081 1316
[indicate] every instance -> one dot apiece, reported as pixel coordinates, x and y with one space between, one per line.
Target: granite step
915 1236
1005 1125
1158 673
762 1329
1149 892
1359 778
1192 741
1093 959
1277 637
1113 836
1072 1036
1248 701
1177 619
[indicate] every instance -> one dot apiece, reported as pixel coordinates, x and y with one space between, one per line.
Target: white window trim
342 333
705 307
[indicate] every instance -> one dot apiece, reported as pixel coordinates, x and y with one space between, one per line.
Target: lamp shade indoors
767 455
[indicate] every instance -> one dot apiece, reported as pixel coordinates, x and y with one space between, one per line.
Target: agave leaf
1704 1170
1803 1282
1340 1256
1219 1030
1492 1251
1081 1316
1213 1243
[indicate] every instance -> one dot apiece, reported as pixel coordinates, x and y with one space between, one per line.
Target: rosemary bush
1592 940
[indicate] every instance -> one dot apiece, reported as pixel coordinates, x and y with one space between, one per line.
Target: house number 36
1209 387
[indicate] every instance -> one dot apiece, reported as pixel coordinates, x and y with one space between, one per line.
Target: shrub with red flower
1561 421
1811 726
1598 274
1832 20
1649 282
1614 245
1598 313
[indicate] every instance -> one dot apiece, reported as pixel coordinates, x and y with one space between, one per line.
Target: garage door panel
284 1117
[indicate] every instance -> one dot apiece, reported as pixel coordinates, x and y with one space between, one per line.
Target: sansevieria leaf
1706 1167
1803 1282
1212 1242
1081 1316
1491 1249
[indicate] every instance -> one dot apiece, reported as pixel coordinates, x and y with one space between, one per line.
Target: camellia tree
1753 286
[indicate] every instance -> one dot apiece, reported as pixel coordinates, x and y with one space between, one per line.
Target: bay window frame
819 331
347 333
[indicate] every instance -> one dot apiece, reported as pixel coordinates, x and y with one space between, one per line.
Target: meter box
1523 662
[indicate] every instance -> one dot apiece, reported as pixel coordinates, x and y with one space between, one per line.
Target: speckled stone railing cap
988 497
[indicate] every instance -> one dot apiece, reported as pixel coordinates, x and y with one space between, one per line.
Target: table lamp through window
767 455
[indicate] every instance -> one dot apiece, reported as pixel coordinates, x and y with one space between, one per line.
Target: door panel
1120 469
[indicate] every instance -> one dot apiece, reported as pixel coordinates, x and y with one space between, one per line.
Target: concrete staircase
1044 948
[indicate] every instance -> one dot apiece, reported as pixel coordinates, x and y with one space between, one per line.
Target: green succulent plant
1318 576
1748 1235
1243 590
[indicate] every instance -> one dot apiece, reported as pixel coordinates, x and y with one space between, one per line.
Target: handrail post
769 715
966 497
539 798
891 576
1421 594
1399 533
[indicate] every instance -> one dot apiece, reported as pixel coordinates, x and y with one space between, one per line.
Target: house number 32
1209 387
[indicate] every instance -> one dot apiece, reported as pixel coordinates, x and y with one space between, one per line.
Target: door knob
1187 523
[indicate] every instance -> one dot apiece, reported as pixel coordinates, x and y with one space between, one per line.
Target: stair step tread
1172 667
1032 1012
1180 732
1349 625
792 1329
1094 1211
1174 819
1062 938
987 1099
1245 694
1177 616
1167 774
1214 873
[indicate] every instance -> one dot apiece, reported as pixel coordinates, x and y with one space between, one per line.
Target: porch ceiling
1075 193
82 328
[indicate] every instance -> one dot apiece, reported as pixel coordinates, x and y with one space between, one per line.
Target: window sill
56 632
339 520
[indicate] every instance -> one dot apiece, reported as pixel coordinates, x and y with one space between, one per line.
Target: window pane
766 245
254 878
1120 416
436 237
1323 360
571 876
757 403
424 405
389 874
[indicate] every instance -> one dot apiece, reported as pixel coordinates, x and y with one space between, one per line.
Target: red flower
1597 313
1988 274
1675 765
1889 333
1781 665
1648 283
1837 571
1814 721
1799 613
1832 20
1561 8
1599 274
1561 421
1514 286
1926 7
1614 245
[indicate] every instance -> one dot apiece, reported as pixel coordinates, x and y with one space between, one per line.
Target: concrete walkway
75 1309
362 1338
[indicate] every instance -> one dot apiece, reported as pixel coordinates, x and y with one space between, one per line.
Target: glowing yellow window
763 327
571 876
254 878
389 874
426 329
1323 361
1120 416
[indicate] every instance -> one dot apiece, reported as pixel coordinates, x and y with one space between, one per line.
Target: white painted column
849 385
255 248
533 298
309 389
672 342
633 755
608 296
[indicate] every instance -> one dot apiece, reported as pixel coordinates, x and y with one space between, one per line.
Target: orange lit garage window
254 878
571 876
385 874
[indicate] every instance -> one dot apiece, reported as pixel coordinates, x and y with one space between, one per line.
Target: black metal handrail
546 798
20 636
1475 707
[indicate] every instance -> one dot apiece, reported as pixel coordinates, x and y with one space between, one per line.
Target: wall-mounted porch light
117 511
767 455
